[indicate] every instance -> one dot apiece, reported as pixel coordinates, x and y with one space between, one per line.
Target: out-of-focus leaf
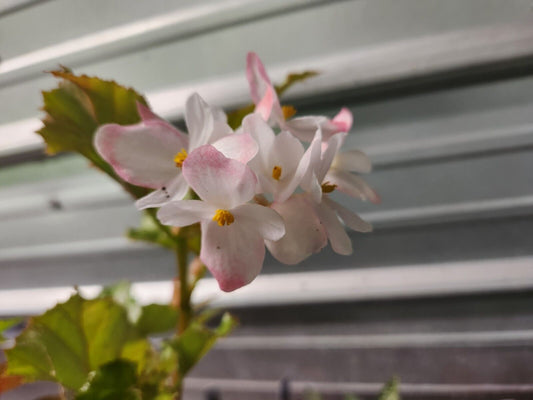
157 318
150 232
113 381
235 117
8 382
196 341
293 78
6 324
121 293
76 108
110 102
390 390
72 339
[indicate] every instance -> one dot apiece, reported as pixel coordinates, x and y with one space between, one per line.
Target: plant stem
184 294
182 252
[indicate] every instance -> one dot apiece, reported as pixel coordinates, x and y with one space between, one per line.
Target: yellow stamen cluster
328 187
223 217
288 111
276 172
180 157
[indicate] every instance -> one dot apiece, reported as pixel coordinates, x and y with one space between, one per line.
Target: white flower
233 232
151 153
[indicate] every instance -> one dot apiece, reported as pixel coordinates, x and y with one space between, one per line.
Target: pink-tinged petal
332 147
309 164
352 185
343 120
352 160
304 128
350 219
257 77
145 113
265 106
262 133
176 189
338 238
200 121
219 180
304 235
241 147
266 221
233 253
262 91
185 212
142 154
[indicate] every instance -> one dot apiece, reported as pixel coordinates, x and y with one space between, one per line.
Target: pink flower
151 153
233 231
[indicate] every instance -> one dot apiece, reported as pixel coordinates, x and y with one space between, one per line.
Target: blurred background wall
442 95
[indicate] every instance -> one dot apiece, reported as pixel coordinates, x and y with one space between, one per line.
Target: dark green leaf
72 339
157 318
113 381
390 390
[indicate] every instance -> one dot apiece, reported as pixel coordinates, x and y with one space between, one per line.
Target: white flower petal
332 146
241 147
351 219
352 160
176 189
338 238
199 119
185 212
142 154
233 253
219 180
304 128
352 185
304 235
266 221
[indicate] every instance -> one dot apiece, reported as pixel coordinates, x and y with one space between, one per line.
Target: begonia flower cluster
266 184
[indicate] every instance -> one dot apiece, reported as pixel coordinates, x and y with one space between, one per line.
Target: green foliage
197 340
120 292
6 324
293 78
114 380
77 107
72 339
391 390
150 232
157 318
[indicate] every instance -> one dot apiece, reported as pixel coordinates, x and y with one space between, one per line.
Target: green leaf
150 232
293 78
113 381
390 390
72 339
76 108
197 340
235 117
121 293
6 324
157 318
